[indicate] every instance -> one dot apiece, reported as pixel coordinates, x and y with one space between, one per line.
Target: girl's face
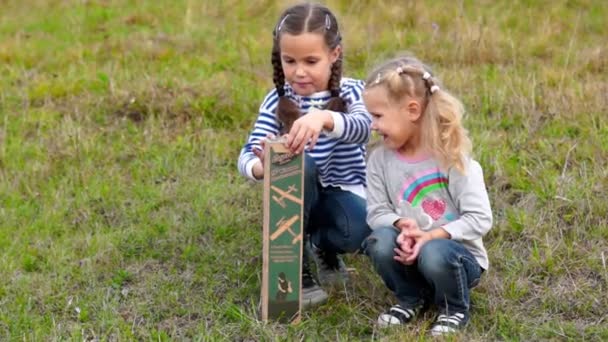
307 61
395 121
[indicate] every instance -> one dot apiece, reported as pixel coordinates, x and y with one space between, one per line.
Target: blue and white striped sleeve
355 125
265 124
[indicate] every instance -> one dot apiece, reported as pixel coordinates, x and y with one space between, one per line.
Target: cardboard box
283 234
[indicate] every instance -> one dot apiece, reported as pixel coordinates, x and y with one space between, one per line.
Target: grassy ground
122 215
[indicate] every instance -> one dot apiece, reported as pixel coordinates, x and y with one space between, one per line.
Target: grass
122 216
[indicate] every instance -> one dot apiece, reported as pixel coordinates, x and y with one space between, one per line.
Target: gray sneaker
312 293
330 267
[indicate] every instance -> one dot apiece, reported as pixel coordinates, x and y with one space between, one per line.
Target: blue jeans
444 271
334 219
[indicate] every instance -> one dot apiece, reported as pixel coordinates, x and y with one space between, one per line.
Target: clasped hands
411 239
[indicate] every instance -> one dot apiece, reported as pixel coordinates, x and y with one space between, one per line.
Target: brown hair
298 19
444 134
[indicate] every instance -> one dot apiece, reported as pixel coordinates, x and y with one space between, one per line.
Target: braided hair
302 18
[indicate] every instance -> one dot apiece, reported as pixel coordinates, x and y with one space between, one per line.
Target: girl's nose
300 71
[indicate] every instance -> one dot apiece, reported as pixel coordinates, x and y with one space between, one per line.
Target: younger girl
427 202
323 115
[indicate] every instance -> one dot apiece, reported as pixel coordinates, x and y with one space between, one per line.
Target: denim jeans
444 271
334 219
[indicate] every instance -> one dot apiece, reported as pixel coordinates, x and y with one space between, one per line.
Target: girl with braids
322 115
426 199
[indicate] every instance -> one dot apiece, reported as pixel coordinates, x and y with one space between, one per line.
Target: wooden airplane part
284 226
281 200
296 239
286 194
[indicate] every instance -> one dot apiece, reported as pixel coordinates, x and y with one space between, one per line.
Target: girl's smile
392 120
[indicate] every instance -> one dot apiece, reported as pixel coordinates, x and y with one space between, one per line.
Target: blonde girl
427 202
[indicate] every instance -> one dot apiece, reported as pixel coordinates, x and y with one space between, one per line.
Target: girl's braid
278 77
287 111
336 103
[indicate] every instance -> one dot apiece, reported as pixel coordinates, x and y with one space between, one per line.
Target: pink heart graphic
435 208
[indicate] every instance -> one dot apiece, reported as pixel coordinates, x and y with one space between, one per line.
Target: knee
379 245
433 259
358 233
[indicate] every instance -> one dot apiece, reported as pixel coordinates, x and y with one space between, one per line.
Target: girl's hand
405 248
258 168
307 128
405 243
420 237
406 224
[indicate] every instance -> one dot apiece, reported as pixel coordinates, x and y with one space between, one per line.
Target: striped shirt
339 154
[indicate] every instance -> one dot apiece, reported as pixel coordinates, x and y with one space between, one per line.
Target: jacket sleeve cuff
249 169
454 230
338 125
385 221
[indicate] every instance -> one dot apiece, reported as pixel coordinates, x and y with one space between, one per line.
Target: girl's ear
335 54
413 109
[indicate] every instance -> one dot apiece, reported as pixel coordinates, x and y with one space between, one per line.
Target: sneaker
398 315
312 293
445 324
330 267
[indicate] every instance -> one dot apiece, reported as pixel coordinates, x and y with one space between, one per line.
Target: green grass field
123 217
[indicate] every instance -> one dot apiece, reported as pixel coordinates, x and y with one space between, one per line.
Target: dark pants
335 219
444 271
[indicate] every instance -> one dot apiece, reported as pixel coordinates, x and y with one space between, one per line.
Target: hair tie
378 78
399 70
280 25
426 76
327 22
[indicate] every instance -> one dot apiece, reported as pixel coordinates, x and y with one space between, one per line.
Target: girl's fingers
414 253
401 252
402 257
259 153
314 137
400 238
262 143
412 233
268 136
293 133
407 247
410 224
299 141
399 255
313 142
285 138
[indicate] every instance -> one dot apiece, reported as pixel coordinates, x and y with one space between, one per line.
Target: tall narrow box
283 233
